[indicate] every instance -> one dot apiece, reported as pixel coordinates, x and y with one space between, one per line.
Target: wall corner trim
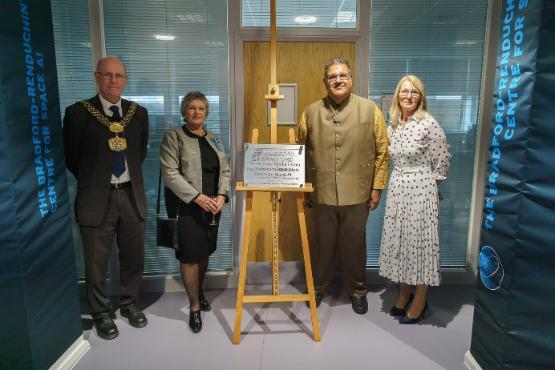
471 362
72 355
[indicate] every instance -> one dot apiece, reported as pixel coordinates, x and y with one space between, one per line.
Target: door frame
237 37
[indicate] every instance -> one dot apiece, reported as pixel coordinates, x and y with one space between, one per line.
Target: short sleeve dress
409 251
197 238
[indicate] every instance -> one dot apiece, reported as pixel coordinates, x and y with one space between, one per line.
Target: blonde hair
395 112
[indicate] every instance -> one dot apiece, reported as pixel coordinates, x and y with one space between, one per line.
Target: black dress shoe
407 320
394 311
317 298
360 304
135 316
204 304
105 326
195 322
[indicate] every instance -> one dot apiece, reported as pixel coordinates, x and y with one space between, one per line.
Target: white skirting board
72 355
471 362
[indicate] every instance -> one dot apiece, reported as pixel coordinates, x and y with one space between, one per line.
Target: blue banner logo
491 269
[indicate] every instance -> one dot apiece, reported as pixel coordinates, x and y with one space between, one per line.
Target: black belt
120 185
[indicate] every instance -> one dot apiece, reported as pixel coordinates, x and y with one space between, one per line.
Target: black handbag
167 230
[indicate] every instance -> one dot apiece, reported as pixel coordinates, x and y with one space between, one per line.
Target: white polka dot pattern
409 250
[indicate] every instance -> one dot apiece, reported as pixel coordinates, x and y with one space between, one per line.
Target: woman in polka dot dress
409 251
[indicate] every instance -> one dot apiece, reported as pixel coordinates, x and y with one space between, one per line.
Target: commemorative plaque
274 165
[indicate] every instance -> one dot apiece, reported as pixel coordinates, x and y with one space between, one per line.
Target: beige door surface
301 63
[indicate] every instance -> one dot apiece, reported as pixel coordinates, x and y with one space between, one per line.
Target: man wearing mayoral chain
106 139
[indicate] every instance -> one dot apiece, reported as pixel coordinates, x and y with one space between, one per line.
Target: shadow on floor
444 304
450 310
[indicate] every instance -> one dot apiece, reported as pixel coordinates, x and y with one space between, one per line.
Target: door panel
297 62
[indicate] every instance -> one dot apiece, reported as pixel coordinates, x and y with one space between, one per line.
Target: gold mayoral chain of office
116 143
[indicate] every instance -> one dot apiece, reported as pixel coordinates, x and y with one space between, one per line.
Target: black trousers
123 225
339 234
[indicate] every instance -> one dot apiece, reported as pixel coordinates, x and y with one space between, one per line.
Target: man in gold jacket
347 160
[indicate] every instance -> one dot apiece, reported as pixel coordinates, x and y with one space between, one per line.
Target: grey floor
279 336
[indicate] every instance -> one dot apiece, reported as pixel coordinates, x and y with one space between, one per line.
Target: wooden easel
273 96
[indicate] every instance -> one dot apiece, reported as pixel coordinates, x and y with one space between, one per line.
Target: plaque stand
273 96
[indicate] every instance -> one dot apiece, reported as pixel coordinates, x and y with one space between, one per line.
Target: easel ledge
239 186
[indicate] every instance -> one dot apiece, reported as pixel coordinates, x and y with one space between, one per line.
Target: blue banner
40 308
512 326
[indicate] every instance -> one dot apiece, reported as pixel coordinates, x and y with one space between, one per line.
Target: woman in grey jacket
196 171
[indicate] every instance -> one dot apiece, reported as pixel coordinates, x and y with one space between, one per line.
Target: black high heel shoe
407 320
394 311
204 304
195 322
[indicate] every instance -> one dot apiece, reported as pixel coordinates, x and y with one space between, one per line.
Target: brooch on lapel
217 143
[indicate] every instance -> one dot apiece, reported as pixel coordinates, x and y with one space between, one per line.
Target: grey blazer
178 148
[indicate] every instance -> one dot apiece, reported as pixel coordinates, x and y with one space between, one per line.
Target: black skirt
197 239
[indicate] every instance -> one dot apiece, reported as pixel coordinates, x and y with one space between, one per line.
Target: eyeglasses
110 75
341 77
406 93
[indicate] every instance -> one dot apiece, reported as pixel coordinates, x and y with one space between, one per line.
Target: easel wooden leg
275 243
308 266
242 269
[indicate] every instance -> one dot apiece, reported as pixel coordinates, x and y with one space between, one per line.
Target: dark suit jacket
89 158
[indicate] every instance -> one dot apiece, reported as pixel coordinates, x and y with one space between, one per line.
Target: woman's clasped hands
209 204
